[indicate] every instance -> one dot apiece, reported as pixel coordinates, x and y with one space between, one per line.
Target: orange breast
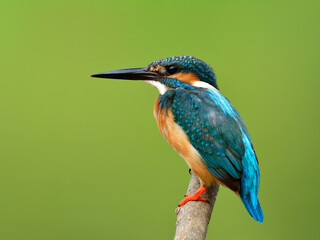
178 139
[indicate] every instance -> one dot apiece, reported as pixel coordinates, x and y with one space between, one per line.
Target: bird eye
172 69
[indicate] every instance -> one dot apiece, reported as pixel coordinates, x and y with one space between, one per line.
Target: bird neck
175 83
165 84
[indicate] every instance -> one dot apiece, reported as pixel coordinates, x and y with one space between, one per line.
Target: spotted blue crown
190 64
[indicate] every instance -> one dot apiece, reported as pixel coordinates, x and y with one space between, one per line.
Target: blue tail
250 180
253 207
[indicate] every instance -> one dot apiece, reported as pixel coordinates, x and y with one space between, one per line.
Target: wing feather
213 128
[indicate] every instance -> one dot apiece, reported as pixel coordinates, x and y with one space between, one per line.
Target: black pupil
172 69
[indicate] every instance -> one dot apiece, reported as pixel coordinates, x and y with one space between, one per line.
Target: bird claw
192 198
203 199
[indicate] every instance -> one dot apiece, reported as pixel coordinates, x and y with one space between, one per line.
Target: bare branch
193 218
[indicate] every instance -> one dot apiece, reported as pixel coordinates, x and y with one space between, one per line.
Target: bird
202 126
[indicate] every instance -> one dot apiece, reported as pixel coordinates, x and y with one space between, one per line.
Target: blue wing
212 127
216 130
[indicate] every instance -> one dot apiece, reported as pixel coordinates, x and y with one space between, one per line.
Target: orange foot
194 197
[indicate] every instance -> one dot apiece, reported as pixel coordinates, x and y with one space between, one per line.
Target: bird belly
178 139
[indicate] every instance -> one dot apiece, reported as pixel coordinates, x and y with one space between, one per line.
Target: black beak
129 73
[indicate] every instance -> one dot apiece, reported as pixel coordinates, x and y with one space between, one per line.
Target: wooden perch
193 218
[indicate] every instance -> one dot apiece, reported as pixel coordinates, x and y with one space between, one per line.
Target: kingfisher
202 126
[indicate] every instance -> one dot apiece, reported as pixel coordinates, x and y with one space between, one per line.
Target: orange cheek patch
188 78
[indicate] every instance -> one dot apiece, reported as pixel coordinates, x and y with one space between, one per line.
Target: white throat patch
161 87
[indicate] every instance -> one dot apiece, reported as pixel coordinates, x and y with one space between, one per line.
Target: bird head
169 73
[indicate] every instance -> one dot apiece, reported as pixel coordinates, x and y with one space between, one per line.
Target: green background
82 158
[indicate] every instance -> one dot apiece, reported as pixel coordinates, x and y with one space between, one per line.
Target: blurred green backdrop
82 158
